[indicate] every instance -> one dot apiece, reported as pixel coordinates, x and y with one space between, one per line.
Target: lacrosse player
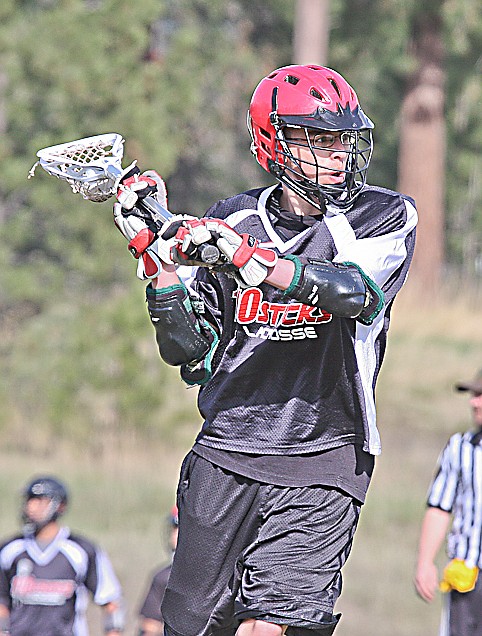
285 334
456 494
151 621
47 572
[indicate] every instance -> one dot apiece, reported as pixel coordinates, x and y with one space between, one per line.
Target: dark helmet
309 98
47 487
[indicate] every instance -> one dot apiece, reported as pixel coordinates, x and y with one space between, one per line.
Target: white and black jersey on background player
47 587
289 398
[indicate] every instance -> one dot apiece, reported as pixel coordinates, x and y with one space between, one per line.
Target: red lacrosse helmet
309 98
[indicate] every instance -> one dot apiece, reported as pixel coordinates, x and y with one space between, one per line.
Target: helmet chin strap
32 527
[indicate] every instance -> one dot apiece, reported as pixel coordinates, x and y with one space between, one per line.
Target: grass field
120 496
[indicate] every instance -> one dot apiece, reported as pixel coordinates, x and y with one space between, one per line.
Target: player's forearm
4 620
281 275
114 618
181 335
434 529
166 278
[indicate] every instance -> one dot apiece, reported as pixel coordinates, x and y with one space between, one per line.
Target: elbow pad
342 289
179 334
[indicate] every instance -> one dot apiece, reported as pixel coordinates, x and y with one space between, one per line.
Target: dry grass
432 346
121 495
119 501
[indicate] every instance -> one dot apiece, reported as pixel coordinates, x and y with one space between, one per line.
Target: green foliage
71 366
83 390
464 166
219 52
174 78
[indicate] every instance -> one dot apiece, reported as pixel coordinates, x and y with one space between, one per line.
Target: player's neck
47 534
290 201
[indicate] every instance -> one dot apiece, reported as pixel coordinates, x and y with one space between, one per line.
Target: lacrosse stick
93 167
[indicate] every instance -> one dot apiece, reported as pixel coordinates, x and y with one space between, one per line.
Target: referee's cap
474 385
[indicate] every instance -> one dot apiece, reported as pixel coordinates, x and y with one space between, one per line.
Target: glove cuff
297 275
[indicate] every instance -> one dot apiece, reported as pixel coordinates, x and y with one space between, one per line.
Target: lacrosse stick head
92 166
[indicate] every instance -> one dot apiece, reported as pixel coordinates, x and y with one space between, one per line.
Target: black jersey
290 379
151 607
47 589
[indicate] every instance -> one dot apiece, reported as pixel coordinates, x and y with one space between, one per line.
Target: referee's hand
426 581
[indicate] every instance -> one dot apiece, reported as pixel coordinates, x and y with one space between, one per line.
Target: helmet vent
291 79
335 86
316 94
265 133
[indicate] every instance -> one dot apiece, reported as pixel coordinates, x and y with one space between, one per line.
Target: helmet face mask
43 488
310 100
304 176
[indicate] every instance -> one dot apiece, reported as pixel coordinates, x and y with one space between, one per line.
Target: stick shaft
155 208
208 253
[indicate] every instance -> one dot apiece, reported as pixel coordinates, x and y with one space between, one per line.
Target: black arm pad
335 287
178 333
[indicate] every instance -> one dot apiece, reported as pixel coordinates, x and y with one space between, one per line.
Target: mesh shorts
252 550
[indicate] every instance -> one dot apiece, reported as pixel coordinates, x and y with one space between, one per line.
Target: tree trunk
311 32
422 149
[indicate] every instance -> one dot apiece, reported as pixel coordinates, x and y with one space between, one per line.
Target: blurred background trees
174 77
83 390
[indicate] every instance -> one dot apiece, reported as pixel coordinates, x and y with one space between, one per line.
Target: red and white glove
139 228
241 250
194 244
134 186
144 244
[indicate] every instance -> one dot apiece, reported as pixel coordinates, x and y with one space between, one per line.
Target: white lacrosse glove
195 245
149 250
154 247
138 227
134 186
241 250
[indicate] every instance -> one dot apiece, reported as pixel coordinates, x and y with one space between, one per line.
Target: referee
456 494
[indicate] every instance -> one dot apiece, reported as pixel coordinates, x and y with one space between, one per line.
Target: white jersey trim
275 240
379 257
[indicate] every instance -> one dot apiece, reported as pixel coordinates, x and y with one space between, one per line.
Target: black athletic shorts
253 550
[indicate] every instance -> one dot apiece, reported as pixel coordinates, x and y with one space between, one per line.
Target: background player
286 341
456 494
47 572
151 621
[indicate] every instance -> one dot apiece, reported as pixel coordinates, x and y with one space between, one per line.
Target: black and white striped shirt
457 488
